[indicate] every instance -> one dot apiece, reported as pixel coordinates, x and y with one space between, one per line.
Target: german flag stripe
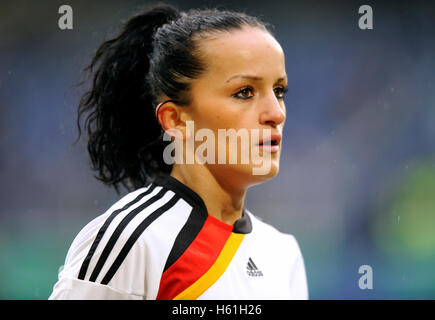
216 270
196 260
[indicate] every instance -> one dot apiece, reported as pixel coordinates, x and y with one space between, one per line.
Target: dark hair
154 55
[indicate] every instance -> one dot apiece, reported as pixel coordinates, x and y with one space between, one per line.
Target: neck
223 200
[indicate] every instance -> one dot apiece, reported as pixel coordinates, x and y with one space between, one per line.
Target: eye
280 92
243 93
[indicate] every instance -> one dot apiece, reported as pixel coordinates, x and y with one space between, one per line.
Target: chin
246 175
254 174
264 174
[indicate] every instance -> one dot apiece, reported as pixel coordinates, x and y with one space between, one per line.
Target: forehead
249 50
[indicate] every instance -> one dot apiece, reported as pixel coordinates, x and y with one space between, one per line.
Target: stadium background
357 178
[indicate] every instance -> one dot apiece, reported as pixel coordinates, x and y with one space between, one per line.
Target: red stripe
196 260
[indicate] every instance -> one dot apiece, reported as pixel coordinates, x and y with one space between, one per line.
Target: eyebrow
246 76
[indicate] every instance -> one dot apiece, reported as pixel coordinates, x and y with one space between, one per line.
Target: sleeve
75 289
298 278
128 281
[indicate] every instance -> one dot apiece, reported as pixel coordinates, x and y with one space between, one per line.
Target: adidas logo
252 269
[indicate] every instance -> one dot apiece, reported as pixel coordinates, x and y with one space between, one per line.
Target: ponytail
121 125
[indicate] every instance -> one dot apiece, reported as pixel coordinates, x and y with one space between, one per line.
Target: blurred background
357 179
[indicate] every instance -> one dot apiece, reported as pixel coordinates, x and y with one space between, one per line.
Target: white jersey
159 242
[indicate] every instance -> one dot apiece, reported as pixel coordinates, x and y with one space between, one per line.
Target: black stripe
100 234
186 236
111 243
250 266
135 235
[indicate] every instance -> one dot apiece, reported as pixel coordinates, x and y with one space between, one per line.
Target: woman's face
242 89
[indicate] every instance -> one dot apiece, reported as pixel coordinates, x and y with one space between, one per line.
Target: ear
173 119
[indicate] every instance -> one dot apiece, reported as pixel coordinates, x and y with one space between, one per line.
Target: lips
274 140
271 144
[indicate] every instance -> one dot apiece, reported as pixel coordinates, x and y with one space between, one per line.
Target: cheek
217 112
215 118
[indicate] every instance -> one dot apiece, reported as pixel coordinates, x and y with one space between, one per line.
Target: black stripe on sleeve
135 235
122 225
86 261
186 236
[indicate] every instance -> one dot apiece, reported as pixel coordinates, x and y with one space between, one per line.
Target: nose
273 112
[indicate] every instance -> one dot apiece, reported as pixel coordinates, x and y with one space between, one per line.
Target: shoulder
113 250
285 247
276 244
270 234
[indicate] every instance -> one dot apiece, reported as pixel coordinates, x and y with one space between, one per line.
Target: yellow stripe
215 271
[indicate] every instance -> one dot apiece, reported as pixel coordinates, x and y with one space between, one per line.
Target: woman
183 231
